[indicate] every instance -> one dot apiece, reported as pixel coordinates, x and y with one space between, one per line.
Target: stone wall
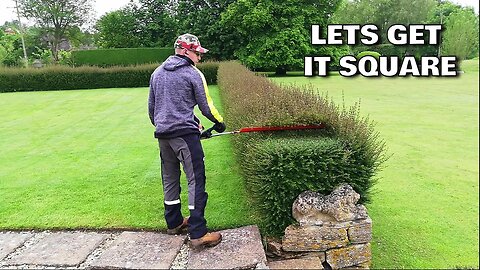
332 228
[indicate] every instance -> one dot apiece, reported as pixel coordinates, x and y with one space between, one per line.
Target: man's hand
206 134
219 127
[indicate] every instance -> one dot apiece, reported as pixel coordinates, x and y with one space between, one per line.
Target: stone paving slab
303 263
9 241
240 249
58 249
141 250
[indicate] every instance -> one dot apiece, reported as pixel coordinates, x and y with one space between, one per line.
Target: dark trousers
187 150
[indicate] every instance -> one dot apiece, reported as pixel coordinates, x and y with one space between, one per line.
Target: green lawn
88 159
426 203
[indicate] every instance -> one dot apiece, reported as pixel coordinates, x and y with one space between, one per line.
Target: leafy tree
385 13
411 11
10 45
150 23
3 50
203 18
460 37
80 38
118 29
146 23
441 12
276 35
3 54
155 22
57 17
366 12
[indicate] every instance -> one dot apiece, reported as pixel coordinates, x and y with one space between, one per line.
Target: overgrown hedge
69 78
278 166
120 57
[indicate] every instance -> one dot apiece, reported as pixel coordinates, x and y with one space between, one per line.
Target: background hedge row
120 57
69 78
278 166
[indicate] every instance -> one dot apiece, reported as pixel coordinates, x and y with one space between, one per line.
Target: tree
57 17
411 11
3 54
118 29
80 38
203 18
150 23
442 10
156 23
145 23
3 49
460 37
366 12
10 44
385 13
276 35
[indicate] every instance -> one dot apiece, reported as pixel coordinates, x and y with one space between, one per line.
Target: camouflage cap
189 42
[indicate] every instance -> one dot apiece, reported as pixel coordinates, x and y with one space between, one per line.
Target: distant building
10 31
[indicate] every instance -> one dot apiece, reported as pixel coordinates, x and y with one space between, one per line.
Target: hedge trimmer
208 133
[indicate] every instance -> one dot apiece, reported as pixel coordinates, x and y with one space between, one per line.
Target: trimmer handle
206 134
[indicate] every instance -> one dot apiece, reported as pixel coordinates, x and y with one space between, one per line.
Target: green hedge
69 78
383 49
278 166
395 50
120 57
279 169
368 53
209 70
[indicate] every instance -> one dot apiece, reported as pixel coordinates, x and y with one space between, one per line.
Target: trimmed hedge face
278 166
68 78
282 168
120 57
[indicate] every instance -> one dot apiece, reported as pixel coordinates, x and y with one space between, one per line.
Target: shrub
120 57
209 70
383 49
3 54
279 166
400 51
44 55
68 78
288 166
368 53
335 52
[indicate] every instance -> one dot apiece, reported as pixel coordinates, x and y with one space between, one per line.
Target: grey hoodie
175 88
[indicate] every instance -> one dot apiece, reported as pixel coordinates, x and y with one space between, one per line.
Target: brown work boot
208 240
180 228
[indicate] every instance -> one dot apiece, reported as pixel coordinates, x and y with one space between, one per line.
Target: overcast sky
7 12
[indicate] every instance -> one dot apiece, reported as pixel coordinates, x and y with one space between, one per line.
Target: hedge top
120 57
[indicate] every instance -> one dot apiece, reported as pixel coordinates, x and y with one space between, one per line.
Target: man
175 88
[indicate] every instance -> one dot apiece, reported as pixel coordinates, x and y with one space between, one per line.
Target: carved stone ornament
312 208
